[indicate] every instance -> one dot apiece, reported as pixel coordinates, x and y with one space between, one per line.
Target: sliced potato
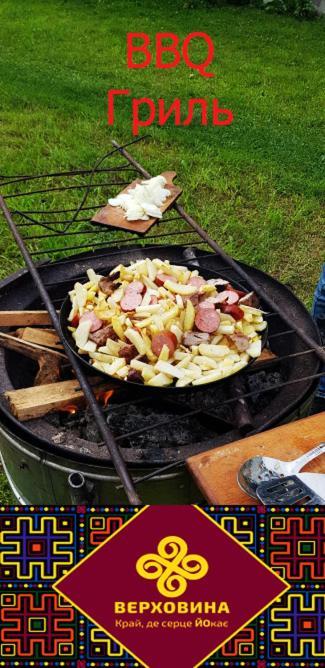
151 270
144 323
193 370
149 308
177 331
117 295
260 327
81 295
89 347
149 353
116 269
180 355
137 340
179 301
213 350
111 347
169 369
103 357
123 372
189 317
111 369
217 339
208 377
143 367
93 277
117 326
160 380
164 354
255 348
226 329
251 309
233 369
103 313
82 332
182 382
171 314
205 362
147 374
206 289
179 288
183 363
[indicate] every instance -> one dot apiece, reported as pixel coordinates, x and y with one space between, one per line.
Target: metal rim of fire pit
313 347
82 260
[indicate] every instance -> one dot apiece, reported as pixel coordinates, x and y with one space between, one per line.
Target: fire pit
60 456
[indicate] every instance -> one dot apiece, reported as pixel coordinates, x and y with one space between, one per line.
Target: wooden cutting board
113 216
215 471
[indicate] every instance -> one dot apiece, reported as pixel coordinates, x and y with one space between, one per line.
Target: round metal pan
64 314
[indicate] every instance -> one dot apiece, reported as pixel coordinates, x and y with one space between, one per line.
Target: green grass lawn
255 185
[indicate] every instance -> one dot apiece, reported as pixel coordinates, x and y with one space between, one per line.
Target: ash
129 419
128 413
261 381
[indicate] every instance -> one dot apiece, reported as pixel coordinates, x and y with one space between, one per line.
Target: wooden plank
24 318
215 471
266 356
34 402
42 337
49 360
28 349
113 216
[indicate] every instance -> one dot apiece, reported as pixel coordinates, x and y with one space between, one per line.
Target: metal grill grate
47 231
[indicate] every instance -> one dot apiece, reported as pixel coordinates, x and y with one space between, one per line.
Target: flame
72 409
104 396
101 395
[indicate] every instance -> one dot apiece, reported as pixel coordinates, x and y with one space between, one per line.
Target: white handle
307 457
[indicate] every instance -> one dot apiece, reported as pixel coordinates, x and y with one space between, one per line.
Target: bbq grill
133 448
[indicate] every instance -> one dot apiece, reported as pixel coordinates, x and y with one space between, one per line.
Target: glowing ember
72 409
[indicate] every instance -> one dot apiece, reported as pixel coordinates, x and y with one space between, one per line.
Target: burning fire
69 408
104 396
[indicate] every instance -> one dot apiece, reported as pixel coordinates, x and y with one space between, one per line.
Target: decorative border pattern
39 544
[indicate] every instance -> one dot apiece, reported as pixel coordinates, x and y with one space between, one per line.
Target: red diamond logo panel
171 583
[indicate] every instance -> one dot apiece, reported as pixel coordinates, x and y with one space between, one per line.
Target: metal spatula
290 490
260 469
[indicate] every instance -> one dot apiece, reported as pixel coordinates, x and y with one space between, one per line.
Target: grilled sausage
229 296
207 320
161 278
130 300
134 376
233 310
100 337
206 304
241 341
106 285
135 286
164 338
128 351
197 281
96 323
195 338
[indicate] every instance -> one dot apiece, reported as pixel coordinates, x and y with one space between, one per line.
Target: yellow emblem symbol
172 566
